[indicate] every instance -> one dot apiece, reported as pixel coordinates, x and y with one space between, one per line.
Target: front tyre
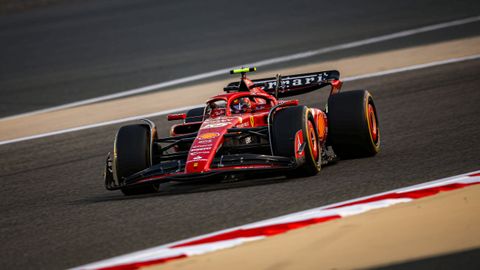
131 155
294 135
353 129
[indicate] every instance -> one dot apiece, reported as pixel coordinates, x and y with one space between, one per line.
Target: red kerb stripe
415 194
260 231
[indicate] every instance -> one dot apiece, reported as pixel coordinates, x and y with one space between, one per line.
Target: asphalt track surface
56 214
83 49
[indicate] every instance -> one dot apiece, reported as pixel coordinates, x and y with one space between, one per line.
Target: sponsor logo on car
215 125
199 153
220 120
206 148
297 81
209 135
246 124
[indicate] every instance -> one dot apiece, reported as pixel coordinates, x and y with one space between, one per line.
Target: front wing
227 165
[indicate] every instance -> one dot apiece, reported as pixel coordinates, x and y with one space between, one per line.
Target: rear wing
297 84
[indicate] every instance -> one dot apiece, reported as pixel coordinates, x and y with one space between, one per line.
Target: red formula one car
248 130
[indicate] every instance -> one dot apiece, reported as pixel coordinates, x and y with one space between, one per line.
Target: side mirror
176 116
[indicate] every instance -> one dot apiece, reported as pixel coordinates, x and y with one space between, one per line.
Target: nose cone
205 146
196 166
203 151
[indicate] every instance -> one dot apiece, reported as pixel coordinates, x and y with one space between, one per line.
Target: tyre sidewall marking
367 99
311 156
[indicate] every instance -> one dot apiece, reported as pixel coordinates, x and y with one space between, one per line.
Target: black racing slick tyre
353 129
195 115
131 155
286 125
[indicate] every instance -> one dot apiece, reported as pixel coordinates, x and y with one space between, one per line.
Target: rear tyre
131 155
285 127
353 124
195 115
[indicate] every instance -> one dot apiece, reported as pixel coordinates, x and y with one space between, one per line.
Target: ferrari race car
248 129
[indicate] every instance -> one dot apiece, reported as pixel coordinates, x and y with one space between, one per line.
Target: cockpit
250 104
245 104
216 108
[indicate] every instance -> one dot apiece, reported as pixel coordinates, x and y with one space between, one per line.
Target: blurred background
59 51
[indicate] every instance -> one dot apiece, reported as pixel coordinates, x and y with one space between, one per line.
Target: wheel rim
372 120
312 137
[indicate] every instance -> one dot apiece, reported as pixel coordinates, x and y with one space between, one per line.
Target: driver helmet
240 105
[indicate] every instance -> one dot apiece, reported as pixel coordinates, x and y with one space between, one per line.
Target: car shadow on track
182 188
172 189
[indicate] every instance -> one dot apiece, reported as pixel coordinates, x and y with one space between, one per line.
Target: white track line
413 67
265 62
132 118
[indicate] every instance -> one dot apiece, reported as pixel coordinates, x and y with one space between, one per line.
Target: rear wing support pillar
336 85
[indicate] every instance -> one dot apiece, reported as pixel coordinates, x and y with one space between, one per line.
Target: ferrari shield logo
252 121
